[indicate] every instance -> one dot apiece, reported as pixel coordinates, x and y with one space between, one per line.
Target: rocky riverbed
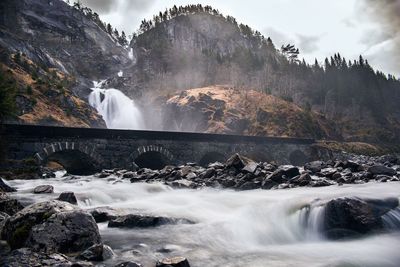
335 213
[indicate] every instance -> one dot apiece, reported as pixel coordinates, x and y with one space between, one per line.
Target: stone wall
105 149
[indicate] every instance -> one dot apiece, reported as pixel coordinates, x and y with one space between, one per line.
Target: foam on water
249 228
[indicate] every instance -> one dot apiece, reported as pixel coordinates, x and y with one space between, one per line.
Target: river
247 228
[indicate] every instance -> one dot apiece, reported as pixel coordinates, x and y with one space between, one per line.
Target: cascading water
233 229
117 110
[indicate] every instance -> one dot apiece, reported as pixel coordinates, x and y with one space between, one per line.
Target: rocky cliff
51 47
226 110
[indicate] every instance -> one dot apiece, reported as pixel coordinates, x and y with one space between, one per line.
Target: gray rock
144 221
250 167
103 214
301 180
284 173
9 205
237 161
97 252
173 262
315 166
65 232
381 170
27 257
18 227
43 189
350 217
68 197
3 217
5 187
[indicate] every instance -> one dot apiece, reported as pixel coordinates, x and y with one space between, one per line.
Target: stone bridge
84 151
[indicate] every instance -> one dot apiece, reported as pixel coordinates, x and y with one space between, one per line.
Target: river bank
149 220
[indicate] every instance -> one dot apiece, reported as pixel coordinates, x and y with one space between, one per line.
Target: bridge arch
152 157
76 158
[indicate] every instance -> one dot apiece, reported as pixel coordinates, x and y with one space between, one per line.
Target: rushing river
248 228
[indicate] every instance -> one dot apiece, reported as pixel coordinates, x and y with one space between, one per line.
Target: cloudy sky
319 28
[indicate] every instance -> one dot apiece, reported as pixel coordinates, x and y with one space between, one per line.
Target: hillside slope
223 109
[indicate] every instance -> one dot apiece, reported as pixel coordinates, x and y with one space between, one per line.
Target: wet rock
268 184
301 180
183 183
103 214
237 161
284 173
321 183
68 197
9 205
350 217
381 170
144 221
128 175
173 262
250 167
128 264
250 185
51 226
209 173
216 165
3 217
27 257
43 189
102 174
5 187
97 252
315 166
65 232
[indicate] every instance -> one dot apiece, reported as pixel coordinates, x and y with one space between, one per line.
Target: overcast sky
319 28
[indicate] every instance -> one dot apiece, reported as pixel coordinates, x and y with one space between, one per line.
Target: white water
117 110
249 228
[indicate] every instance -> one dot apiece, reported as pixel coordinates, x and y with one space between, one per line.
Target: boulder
315 166
5 187
237 161
173 262
250 167
27 257
97 252
284 173
144 221
54 226
43 189
350 217
381 170
65 232
68 197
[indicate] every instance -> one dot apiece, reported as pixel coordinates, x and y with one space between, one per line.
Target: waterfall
117 110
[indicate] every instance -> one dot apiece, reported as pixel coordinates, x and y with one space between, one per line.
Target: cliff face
223 109
56 51
197 50
54 35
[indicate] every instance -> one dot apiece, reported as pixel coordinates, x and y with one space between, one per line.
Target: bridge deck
52 132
